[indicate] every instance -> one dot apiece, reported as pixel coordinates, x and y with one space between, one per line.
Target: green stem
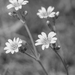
57 52
35 58
38 62
31 39
30 56
62 62
31 49
42 67
28 31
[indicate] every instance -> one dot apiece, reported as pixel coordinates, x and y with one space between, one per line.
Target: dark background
10 27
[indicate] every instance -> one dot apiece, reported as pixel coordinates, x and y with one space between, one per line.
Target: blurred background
10 27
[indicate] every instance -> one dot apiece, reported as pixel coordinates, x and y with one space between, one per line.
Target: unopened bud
23 48
25 12
55 47
57 13
10 14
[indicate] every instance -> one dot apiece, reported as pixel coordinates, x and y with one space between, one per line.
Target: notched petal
51 34
25 2
10 41
10 6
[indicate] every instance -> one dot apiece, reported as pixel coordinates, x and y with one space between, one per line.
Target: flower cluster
17 4
45 40
13 45
43 13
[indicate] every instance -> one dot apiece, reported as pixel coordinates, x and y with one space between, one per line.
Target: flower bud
23 48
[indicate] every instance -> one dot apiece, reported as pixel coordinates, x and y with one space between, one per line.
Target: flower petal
39 43
40 15
44 34
12 51
25 2
10 6
52 14
38 40
40 36
7 44
20 41
51 34
20 7
54 38
19 45
43 9
43 47
40 11
16 50
50 9
10 41
14 39
20 1
6 48
53 41
47 46
17 39
8 51
16 8
13 1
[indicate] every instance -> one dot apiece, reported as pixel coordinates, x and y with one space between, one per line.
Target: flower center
44 14
14 46
17 4
45 41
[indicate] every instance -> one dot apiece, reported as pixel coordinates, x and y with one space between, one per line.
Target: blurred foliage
10 27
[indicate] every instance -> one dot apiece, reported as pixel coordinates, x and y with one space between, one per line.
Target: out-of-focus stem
48 22
62 61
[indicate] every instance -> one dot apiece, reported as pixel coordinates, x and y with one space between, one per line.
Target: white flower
45 40
13 46
43 13
17 4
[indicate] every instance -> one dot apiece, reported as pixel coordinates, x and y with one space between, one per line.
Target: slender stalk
38 62
31 49
43 67
22 19
56 51
31 39
35 50
30 56
35 58
62 62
